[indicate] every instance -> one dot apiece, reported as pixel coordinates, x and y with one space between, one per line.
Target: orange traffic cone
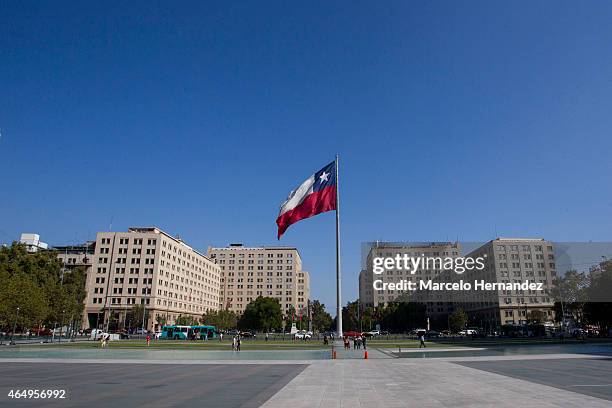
365 356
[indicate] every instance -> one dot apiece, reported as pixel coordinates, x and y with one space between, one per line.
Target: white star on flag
324 177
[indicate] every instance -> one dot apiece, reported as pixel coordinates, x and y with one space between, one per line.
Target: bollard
365 356
334 354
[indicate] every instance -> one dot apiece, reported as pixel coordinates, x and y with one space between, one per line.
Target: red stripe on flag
315 203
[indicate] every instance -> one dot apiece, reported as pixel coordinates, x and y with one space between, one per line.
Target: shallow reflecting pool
156 354
508 350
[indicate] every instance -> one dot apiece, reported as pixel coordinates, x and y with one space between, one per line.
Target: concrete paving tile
410 383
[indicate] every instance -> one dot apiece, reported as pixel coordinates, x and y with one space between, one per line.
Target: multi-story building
511 260
249 272
146 266
507 260
76 255
436 304
32 242
366 295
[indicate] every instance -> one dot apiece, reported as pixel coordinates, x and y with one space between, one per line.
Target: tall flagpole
338 279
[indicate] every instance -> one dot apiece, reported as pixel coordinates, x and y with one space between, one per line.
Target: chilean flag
314 196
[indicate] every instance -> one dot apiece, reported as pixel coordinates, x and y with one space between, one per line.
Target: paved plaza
545 380
586 376
150 385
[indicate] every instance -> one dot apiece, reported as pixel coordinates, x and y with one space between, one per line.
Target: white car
303 335
374 333
467 332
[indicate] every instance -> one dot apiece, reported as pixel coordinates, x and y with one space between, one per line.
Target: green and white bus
199 332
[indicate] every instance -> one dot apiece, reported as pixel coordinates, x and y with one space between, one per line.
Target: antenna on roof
110 226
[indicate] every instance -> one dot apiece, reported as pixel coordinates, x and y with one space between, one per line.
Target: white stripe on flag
297 196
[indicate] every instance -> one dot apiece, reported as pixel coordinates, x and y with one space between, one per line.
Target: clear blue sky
452 119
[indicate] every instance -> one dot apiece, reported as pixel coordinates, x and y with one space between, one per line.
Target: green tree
457 320
160 319
18 291
350 316
136 315
40 286
185 321
264 313
571 289
403 316
221 319
536 316
598 309
321 320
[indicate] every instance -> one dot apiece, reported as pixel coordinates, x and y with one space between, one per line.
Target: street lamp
61 326
14 327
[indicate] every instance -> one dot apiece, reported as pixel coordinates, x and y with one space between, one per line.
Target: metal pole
338 278
97 325
14 326
309 316
562 312
144 306
62 326
108 284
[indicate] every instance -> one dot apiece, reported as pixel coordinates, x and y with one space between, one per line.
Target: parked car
123 335
41 331
247 334
141 331
372 333
432 334
352 333
303 335
468 332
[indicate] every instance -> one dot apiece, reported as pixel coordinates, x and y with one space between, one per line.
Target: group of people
358 343
236 342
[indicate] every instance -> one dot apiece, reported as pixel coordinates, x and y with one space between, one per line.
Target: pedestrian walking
234 343
364 344
267 336
104 340
422 338
238 344
148 340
